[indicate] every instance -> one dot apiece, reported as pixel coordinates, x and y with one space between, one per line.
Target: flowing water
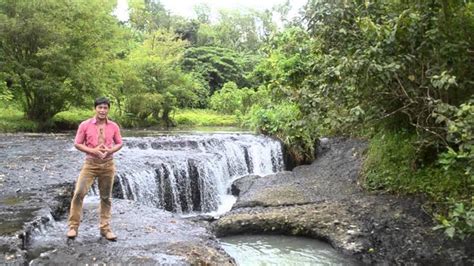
281 250
191 173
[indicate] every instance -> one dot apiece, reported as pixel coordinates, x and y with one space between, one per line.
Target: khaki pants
105 173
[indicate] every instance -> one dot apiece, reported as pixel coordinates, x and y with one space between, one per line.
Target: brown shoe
109 235
72 232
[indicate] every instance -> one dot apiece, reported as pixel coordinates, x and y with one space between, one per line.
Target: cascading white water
192 173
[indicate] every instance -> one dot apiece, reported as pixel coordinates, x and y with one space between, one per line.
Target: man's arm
115 148
117 141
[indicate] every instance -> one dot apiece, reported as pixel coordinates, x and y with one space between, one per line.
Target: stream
184 173
281 250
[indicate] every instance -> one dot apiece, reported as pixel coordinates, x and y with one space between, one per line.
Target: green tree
52 51
215 65
148 16
364 64
206 36
398 70
244 30
163 85
203 13
230 99
187 30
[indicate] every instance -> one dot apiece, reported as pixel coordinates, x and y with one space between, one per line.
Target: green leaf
450 232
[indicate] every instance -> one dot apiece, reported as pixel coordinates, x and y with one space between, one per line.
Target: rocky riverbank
37 177
324 201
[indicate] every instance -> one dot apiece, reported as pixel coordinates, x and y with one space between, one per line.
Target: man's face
101 111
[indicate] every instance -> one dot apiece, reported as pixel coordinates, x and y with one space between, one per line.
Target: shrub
284 122
232 100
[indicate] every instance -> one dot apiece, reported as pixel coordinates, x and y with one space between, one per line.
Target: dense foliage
50 50
401 68
215 65
400 73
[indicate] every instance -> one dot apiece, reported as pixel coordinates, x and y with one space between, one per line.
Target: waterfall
191 173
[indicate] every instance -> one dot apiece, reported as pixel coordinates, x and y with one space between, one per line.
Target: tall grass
392 164
203 117
71 119
14 120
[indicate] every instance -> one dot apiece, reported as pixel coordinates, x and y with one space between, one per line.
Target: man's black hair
101 100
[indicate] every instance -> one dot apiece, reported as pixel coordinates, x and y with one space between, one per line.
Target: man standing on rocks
99 138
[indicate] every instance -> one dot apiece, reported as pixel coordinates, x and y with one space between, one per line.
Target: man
99 138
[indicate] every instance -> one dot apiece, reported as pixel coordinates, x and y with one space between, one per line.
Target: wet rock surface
37 175
37 161
25 213
146 235
323 200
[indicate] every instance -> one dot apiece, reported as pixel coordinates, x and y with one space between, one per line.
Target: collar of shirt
94 120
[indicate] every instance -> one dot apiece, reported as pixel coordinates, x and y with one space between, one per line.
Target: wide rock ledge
324 201
37 175
146 235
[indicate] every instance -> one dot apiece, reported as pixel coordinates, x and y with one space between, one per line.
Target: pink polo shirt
88 134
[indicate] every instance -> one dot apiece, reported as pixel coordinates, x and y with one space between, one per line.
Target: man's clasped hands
101 151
